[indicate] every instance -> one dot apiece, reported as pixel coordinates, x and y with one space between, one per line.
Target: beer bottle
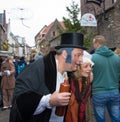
64 87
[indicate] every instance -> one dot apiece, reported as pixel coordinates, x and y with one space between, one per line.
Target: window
43 35
112 1
53 33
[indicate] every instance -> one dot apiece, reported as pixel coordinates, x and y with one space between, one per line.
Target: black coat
36 80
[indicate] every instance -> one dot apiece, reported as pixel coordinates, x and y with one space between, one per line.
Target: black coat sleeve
26 105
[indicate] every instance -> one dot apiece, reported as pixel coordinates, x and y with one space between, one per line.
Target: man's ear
64 54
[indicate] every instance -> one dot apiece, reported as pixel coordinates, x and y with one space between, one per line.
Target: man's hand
59 99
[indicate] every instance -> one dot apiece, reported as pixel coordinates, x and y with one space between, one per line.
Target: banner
88 19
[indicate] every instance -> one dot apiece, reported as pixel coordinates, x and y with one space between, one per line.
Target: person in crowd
117 51
27 61
7 82
21 64
32 58
106 71
3 57
37 87
79 107
38 55
15 62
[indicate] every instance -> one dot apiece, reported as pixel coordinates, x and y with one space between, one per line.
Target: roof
48 28
63 25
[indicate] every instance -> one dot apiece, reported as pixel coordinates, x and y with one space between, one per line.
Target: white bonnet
87 57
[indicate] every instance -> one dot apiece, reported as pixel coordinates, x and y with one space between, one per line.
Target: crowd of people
10 68
93 79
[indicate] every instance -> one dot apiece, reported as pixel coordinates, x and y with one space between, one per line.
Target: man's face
76 59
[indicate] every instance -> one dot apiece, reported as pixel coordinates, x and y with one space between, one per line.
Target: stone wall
108 25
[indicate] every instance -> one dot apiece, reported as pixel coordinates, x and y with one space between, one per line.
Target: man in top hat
36 93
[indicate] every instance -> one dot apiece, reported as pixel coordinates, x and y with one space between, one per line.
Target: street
4 115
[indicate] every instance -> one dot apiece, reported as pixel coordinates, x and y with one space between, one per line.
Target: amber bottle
64 87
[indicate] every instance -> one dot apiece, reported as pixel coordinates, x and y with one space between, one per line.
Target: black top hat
72 40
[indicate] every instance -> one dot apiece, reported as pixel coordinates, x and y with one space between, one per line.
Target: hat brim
70 46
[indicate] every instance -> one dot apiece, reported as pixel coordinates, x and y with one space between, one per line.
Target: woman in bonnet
79 103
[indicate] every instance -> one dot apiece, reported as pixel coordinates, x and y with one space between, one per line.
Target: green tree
72 24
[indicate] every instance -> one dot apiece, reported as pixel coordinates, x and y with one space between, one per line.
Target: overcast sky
35 14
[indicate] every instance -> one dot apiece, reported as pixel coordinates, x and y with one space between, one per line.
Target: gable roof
46 28
63 25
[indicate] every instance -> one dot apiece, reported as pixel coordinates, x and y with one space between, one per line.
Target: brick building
48 36
108 19
3 31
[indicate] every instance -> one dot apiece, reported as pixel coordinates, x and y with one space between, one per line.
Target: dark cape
36 80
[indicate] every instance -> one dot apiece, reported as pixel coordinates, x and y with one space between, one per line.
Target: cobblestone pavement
4 115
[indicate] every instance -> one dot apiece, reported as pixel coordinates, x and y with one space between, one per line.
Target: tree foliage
72 23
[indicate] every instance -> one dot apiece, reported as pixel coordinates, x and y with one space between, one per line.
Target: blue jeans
111 101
